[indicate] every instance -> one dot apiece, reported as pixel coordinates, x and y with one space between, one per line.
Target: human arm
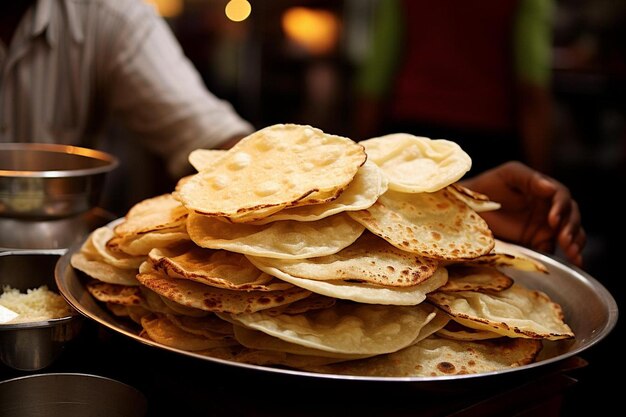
537 210
155 90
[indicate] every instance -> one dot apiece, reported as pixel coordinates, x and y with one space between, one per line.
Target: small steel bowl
33 346
69 395
44 181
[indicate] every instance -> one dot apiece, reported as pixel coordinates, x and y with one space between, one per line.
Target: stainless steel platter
590 310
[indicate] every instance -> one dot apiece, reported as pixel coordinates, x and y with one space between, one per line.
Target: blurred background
300 61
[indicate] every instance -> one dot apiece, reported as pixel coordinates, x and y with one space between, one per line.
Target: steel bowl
33 346
69 395
39 180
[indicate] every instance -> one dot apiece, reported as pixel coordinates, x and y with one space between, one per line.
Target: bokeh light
238 10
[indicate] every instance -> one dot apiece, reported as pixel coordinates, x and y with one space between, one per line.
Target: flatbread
434 225
103 271
369 260
312 302
161 330
254 339
348 328
99 238
415 164
202 159
514 312
141 245
365 293
456 331
217 268
368 184
279 165
266 357
285 240
118 294
207 298
468 277
158 213
210 326
436 357
476 201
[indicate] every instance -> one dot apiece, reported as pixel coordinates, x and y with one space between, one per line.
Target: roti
217 268
366 293
514 312
369 260
160 329
462 277
202 159
348 328
99 238
158 213
476 201
433 225
103 271
415 164
207 298
368 184
285 240
117 294
279 165
435 356
141 245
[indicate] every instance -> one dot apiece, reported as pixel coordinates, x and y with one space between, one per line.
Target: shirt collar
46 19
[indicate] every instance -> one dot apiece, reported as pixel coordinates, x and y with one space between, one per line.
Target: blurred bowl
69 395
39 180
33 345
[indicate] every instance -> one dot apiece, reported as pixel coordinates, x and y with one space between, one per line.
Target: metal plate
590 310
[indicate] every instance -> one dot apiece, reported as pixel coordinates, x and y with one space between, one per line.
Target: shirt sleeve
532 39
377 71
158 94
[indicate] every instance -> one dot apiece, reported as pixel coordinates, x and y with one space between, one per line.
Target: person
475 72
536 211
68 68
86 59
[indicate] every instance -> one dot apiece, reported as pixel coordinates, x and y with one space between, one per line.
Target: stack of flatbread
303 249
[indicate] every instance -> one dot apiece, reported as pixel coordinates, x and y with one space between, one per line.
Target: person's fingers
579 240
570 227
573 246
542 186
574 254
536 229
562 206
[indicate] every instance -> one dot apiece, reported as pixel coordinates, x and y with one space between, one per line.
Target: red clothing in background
457 67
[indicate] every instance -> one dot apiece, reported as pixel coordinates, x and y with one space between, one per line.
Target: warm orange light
238 10
167 8
315 30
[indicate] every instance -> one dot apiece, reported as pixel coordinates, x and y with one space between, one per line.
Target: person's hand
537 211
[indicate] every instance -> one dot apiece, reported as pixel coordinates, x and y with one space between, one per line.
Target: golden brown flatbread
434 225
207 298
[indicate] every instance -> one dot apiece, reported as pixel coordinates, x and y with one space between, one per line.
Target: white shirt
73 63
